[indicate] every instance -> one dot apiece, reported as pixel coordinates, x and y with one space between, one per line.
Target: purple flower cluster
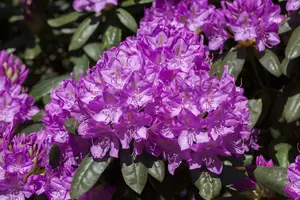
92 5
293 5
153 91
250 22
22 164
15 105
293 188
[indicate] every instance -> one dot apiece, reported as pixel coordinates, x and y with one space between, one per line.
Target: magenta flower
11 69
253 22
154 93
20 163
293 188
15 105
92 5
292 5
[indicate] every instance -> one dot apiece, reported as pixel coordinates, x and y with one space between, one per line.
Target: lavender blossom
293 188
292 5
92 5
11 68
154 92
253 22
15 105
20 165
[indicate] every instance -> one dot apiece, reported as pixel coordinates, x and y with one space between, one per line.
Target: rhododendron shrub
162 99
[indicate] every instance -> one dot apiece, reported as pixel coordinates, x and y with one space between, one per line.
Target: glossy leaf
209 186
273 178
235 60
71 125
112 37
135 174
87 175
217 68
94 50
80 65
282 154
290 67
128 3
292 50
127 19
285 26
54 156
291 110
270 62
46 86
255 107
32 53
32 128
83 32
157 170
64 19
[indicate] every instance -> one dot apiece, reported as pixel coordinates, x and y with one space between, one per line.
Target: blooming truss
93 5
15 105
293 188
248 22
154 91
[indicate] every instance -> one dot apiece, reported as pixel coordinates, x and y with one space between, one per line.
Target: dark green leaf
282 154
46 99
127 19
135 174
64 19
270 62
38 117
255 107
291 110
217 68
112 37
71 125
289 67
93 50
16 18
248 160
292 50
54 156
284 26
128 3
83 32
87 175
235 60
80 65
145 1
31 53
273 178
209 185
157 170
32 128
46 86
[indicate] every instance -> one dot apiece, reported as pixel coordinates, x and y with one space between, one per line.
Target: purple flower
293 173
253 22
92 5
292 5
21 161
260 161
11 69
15 105
153 93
